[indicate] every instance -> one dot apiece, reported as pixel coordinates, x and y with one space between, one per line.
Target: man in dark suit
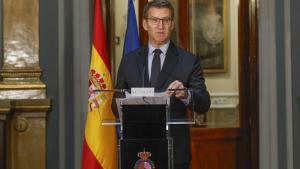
177 69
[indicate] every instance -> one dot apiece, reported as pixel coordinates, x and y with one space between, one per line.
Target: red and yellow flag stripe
99 146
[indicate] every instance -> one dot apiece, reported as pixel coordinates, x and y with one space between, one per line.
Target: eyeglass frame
155 21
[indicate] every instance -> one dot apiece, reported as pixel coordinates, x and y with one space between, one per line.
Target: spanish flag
100 142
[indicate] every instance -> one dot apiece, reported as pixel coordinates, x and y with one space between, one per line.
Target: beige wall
228 82
121 7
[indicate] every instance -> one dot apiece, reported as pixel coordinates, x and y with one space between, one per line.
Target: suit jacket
178 65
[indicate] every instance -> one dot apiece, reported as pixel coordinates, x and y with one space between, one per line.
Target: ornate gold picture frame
209 33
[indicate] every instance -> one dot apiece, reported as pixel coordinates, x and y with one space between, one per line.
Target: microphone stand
112 90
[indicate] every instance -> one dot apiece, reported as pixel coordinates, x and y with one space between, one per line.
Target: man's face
159 25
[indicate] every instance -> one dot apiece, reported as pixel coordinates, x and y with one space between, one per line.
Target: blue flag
132 36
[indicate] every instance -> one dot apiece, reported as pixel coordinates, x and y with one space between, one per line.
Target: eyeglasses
156 21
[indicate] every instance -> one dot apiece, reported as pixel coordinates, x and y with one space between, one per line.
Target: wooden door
228 147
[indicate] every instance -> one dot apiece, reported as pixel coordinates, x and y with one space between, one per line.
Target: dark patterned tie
155 69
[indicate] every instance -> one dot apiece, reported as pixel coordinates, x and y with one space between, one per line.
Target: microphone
185 89
143 76
111 90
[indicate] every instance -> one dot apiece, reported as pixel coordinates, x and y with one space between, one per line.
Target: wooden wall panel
2 142
22 133
4 111
214 148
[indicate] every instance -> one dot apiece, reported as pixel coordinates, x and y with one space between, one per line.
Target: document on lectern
157 98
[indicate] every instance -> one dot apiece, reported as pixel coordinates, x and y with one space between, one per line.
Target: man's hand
181 94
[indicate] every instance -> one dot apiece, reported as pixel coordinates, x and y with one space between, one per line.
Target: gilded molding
20 74
24 105
21 86
24 73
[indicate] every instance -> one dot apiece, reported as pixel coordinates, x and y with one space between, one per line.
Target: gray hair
158 4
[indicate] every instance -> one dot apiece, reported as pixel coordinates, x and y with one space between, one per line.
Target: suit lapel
169 64
142 62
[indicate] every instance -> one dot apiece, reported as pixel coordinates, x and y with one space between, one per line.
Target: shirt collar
163 48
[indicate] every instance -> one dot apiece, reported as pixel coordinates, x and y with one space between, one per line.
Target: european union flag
132 36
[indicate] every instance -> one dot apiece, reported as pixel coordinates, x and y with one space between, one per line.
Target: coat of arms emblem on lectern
144 162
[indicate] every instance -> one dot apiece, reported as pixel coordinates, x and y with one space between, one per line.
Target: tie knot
157 52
